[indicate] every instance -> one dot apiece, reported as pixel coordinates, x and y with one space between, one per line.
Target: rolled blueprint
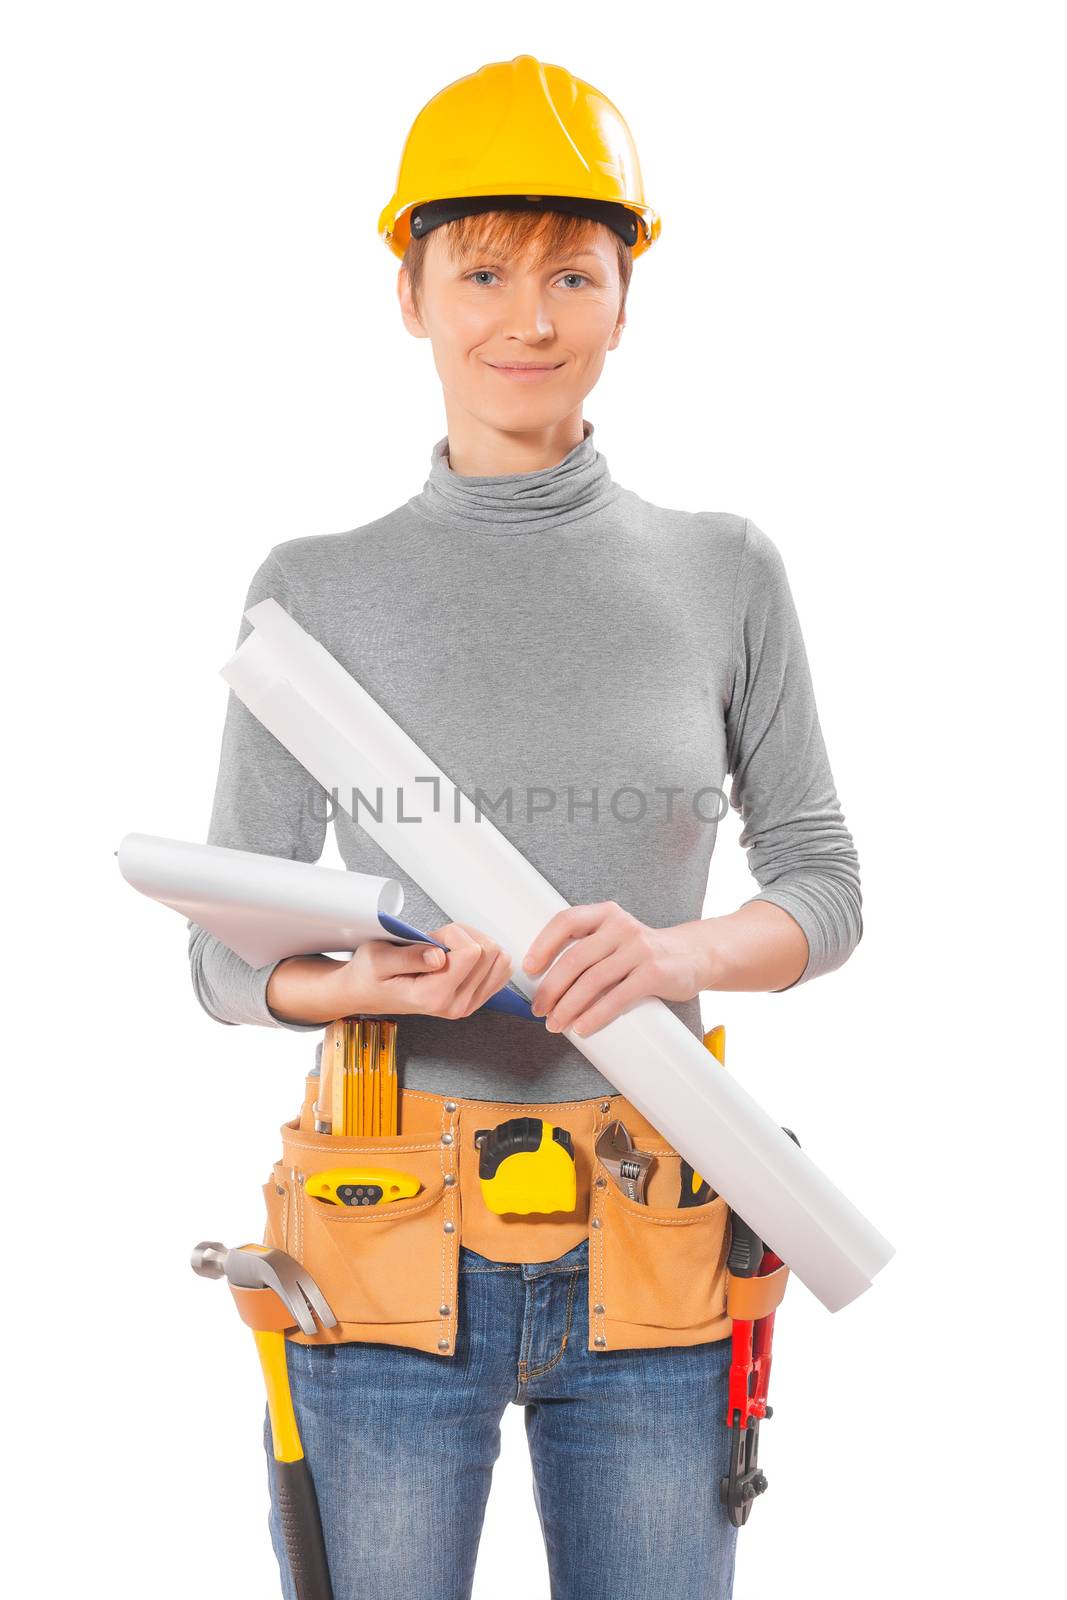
462 861
265 908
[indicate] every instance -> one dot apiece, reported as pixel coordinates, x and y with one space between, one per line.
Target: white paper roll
263 907
465 864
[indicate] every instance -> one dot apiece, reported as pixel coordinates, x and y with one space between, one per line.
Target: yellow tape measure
525 1165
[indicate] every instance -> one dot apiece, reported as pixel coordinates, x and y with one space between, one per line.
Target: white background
852 331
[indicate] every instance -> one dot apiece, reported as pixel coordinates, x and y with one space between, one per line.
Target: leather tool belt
657 1271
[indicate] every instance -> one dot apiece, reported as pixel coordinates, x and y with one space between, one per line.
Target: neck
568 490
479 449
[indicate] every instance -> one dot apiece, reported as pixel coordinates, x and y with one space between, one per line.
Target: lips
526 374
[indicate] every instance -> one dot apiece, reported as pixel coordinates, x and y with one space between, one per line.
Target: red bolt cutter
756 1280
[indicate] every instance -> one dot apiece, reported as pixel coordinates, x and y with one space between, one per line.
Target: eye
486 272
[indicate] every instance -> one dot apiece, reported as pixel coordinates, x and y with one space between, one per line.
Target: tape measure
361 1186
525 1165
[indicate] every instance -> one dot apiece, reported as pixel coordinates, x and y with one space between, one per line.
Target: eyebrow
560 255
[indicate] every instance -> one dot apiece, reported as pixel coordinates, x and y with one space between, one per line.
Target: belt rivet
450 1227
444 1311
450 1105
598 1311
602 1183
442 1344
605 1105
600 1339
278 1189
596 1222
450 1178
447 1138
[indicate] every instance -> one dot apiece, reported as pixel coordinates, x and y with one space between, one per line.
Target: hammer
273 1292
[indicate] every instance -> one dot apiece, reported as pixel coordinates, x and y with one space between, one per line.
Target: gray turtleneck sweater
597 667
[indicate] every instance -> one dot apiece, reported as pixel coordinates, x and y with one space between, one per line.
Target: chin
521 409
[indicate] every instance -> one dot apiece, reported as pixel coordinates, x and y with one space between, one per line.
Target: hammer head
270 1288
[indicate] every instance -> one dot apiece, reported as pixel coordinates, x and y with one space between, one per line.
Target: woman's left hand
615 962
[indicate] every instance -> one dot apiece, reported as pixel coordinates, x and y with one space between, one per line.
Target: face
517 346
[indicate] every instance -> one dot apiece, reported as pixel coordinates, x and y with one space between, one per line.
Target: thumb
404 960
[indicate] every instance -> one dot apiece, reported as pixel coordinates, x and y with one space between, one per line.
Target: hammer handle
298 1512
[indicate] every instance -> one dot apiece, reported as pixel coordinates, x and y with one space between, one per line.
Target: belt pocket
657 1273
380 1266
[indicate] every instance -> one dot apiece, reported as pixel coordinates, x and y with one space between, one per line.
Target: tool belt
657 1271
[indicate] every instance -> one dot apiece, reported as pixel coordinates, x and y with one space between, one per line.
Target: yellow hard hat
524 135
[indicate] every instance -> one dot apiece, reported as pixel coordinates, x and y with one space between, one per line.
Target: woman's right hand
386 979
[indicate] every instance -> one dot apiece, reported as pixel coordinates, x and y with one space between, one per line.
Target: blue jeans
627 1448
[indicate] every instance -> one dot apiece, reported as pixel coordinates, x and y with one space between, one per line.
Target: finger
475 983
570 923
568 969
481 952
496 979
398 960
611 1005
441 980
464 950
580 996
455 934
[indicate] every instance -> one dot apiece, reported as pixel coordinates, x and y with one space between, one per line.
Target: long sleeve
265 801
799 849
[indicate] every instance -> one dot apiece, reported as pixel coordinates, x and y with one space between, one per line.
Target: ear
617 334
408 310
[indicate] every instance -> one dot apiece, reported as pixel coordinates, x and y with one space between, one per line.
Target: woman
596 665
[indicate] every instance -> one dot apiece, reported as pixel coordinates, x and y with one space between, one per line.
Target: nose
527 316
